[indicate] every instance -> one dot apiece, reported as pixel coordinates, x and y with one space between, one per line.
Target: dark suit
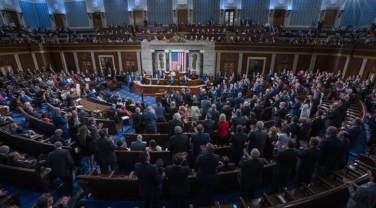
160 112
307 161
209 126
179 143
354 134
55 138
333 118
207 176
137 122
294 129
150 125
149 182
227 110
69 100
237 145
279 115
62 166
73 129
107 155
196 141
237 121
344 153
60 123
215 115
257 140
330 149
3 159
257 110
285 164
138 145
174 123
303 134
316 126
93 128
178 184
250 176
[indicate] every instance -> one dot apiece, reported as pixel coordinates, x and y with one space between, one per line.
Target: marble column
19 65
295 63
363 66
345 67
76 62
167 52
35 60
94 64
313 61
272 63
119 60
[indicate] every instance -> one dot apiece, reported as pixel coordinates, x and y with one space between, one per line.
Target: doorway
97 19
330 18
228 68
229 17
182 20
138 17
59 20
279 17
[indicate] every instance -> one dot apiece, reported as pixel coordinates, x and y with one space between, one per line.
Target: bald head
255 153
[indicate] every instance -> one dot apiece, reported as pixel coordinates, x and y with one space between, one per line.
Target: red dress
222 129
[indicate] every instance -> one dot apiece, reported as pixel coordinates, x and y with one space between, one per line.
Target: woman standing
222 130
305 110
86 144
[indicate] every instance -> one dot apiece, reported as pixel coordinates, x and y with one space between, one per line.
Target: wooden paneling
59 20
53 58
69 60
26 61
303 62
330 18
329 63
182 20
370 67
229 63
279 17
248 55
84 61
129 61
8 60
354 67
283 61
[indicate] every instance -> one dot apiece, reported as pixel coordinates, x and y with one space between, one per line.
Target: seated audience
153 146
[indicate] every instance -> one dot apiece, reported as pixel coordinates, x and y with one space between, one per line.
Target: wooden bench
41 126
27 178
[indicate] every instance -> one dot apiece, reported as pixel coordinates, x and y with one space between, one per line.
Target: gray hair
178 130
177 116
58 145
260 125
4 148
58 132
209 148
255 153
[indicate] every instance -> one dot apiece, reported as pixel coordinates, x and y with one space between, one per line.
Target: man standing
179 142
137 121
197 140
250 174
179 186
307 160
160 112
138 145
364 195
150 119
149 180
257 138
106 153
62 166
285 163
207 175
60 122
174 123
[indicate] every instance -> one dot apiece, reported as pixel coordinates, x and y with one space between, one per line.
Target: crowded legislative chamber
187 103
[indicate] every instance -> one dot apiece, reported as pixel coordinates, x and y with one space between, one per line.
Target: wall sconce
21 15
89 15
271 12
174 13
103 15
340 13
288 12
130 14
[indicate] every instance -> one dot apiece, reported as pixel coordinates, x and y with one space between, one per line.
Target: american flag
177 58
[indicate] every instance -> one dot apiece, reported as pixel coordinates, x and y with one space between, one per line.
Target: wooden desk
177 82
151 90
93 107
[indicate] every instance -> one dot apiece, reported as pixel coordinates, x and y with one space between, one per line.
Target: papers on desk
124 118
79 106
78 99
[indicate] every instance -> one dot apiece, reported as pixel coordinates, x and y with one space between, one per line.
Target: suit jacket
196 141
279 115
61 163
60 122
363 197
354 134
160 112
138 146
174 123
237 145
178 183
93 128
137 120
148 178
257 140
3 159
250 174
307 160
303 134
215 115
343 157
333 118
179 143
257 110
227 110
205 105
69 100
295 109
72 128
55 138
330 149
237 121
316 126
206 167
209 126
106 150
294 129
285 162
150 119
